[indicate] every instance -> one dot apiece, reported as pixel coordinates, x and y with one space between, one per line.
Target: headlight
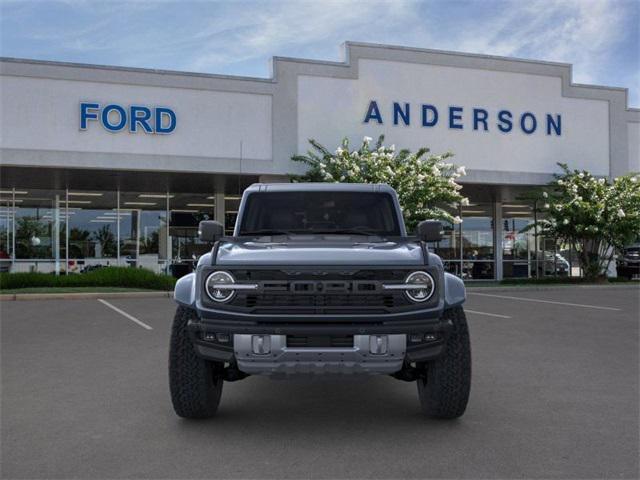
215 287
425 286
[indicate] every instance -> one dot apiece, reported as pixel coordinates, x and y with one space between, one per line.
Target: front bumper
347 359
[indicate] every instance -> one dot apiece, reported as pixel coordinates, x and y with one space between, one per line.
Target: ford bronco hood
319 250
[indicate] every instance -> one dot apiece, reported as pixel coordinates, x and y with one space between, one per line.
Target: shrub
593 215
102 277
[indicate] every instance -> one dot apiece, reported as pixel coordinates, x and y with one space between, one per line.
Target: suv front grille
315 290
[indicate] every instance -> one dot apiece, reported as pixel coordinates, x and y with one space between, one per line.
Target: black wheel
444 387
195 383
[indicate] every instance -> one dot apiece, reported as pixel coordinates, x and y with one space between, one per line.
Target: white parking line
497 315
544 301
125 314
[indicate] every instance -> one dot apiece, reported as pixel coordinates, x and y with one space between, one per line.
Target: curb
82 295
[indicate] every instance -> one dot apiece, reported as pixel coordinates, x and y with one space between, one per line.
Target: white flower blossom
392 148
545 195
621 213
339 151
560 182
464 202
581 175
367 139
457 220
565 221
460 170
546 205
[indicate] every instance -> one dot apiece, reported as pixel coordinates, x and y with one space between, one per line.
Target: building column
220 208
497 239
55 244
219 200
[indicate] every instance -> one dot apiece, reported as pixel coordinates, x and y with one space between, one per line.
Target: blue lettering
425 115
139 115
505 124
399 112
556 125
455 113
373 112
86 114
480 116
162 112
523 123
105 118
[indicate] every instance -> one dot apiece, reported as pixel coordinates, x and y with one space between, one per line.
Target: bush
102 277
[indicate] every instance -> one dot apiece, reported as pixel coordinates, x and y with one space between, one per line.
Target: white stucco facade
272 119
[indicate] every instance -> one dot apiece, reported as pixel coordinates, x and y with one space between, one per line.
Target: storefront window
518 240
477 242
38 226
92 230
186 211
144 217
6 229
231 204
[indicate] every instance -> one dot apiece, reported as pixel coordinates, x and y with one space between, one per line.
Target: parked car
319 278
5 261
628 263
553 264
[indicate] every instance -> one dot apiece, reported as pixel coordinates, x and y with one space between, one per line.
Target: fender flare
454 291
185 290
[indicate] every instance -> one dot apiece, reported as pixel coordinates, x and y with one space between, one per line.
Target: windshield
365 213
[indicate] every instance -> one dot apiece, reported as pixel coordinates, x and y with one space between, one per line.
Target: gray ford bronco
319 278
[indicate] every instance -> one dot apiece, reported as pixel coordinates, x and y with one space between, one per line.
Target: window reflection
144 229
518 240
37 221
187 210
91 230
477 242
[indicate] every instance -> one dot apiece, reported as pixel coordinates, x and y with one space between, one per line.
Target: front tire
195 383
445 383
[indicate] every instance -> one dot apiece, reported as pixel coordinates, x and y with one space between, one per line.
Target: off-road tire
195 383
444 387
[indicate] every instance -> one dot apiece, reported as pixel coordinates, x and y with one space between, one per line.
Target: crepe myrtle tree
595 216
424 182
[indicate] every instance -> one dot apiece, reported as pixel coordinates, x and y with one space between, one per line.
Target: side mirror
430 231
210 231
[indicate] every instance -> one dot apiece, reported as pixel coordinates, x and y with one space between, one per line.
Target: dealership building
106 165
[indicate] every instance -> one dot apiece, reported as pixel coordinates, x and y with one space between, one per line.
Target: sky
601 38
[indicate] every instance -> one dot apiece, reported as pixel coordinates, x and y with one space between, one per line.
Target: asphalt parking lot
554 395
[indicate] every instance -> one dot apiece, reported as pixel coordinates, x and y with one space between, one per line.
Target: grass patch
116 277
12 291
